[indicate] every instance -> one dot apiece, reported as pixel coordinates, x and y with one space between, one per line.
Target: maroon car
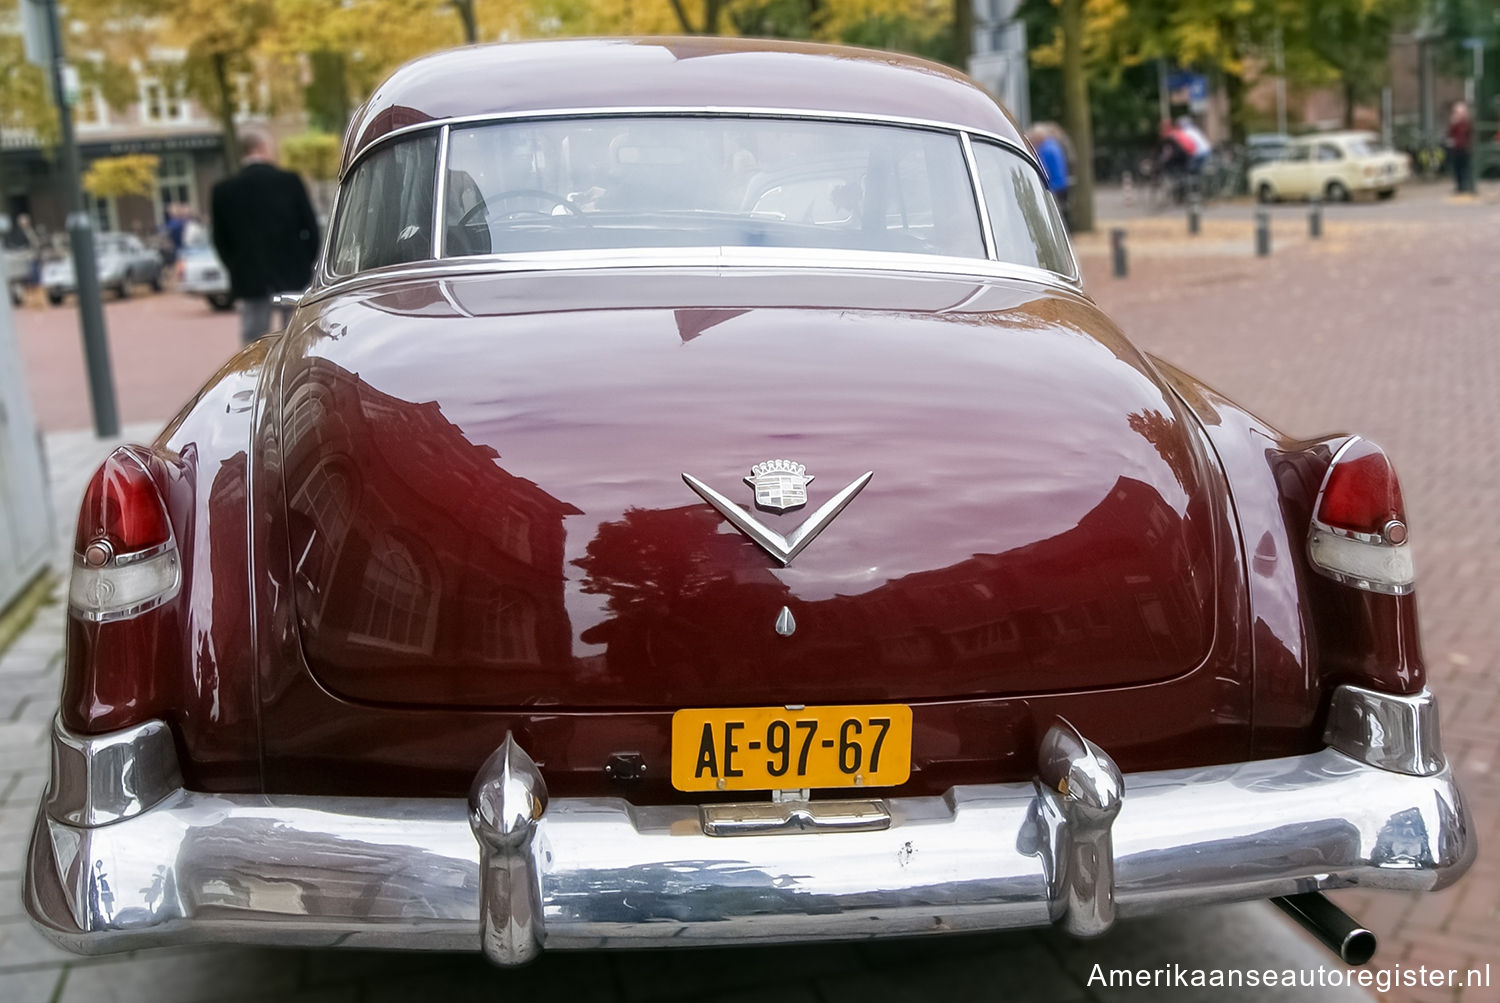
696 502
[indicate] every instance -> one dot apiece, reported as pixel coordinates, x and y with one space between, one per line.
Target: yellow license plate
773 748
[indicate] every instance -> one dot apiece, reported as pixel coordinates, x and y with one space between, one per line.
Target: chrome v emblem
783 548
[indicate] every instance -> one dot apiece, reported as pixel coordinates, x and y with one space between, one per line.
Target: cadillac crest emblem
779 485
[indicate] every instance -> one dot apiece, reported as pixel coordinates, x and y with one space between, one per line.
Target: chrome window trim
985 226
440 193
690 111
323 274
1076 272
329 282
701 258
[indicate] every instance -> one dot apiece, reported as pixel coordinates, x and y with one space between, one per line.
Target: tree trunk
1234 96
465 10
1349 101
711 10
963 33
1076 114
682 18
224 107
327 95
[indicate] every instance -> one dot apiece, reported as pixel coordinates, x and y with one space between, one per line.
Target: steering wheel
489 203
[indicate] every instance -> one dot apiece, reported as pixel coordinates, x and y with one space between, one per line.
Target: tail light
124 555
1358 534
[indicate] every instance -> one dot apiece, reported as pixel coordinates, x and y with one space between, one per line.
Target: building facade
162 121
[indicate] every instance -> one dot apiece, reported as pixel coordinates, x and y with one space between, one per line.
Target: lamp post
80 237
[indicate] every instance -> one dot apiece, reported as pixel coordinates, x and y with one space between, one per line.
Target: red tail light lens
1358 534
125 560
122 507
1361 493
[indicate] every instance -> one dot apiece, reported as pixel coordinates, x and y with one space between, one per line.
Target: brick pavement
1380 328
162 348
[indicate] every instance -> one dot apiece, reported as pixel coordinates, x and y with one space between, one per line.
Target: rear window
1023 216
631 182
385 208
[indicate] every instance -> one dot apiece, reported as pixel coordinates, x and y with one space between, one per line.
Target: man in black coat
266 234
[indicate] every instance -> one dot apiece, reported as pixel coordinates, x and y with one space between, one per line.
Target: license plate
774 748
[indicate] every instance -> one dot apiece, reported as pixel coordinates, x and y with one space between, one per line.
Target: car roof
1343 134
710 73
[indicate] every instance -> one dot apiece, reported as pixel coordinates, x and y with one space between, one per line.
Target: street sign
1189 88
34 34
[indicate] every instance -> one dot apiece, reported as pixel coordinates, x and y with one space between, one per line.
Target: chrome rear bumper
122 857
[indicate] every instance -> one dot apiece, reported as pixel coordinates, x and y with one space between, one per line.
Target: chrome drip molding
509 871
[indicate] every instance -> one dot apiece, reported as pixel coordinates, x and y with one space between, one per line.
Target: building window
162 100
90 109
397 605
510 629
151 100
102 212
174 182
249 97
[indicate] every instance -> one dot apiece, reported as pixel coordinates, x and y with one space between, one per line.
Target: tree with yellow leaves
24 102
114 177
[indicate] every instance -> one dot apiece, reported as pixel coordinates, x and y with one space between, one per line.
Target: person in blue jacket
1054 157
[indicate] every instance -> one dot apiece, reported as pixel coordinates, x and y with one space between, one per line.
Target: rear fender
1310 633
189 661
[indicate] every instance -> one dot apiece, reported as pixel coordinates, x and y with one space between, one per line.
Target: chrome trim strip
714 111
985 224
322 274
440 195
712 258
392 872
794 815
1387 730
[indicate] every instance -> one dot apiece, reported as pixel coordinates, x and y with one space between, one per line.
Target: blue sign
1193 87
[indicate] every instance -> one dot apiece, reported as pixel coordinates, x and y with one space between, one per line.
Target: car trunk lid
486 507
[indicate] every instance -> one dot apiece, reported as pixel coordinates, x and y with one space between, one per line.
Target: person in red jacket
1460 144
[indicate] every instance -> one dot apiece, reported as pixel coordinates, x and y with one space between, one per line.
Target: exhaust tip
1358 947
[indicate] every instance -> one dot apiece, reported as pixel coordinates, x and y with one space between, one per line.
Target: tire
221 301
122 291
55 298
1336 191
155 282
1386 194
1264 193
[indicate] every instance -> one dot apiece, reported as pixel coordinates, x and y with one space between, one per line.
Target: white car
201 273
121 261
1333 165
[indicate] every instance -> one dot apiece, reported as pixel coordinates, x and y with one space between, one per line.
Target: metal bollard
1117 251
1195 217
1262 233
1315 218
